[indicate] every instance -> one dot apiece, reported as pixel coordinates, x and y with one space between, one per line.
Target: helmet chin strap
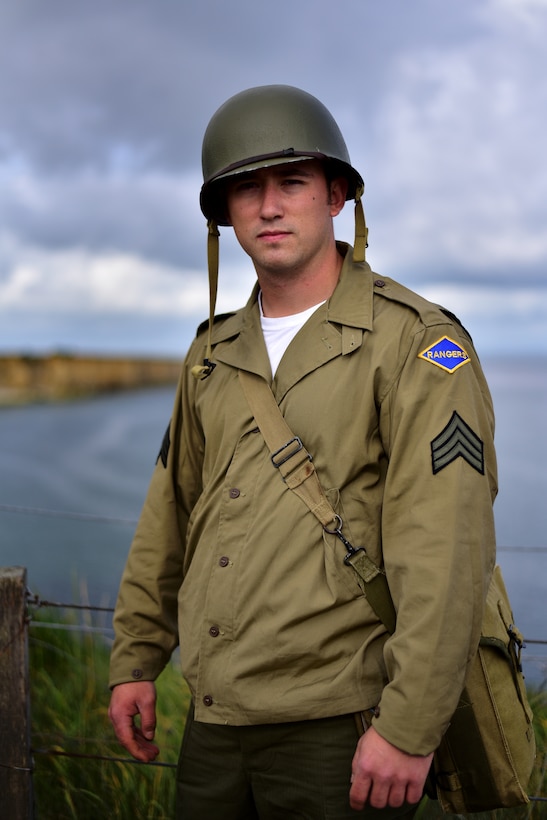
202 371
361 231
361 235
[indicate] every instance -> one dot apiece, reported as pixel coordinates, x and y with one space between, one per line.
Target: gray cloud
102 110
151 214
90 84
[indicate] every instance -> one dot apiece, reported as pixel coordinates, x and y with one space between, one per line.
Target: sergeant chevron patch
446 354
457 439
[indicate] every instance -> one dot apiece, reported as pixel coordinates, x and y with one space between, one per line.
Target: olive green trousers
285 771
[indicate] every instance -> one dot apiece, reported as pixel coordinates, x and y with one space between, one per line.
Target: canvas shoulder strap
288 453
295 465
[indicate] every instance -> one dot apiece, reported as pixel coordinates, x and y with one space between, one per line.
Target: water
91 461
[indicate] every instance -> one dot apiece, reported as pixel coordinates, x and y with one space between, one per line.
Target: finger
140 748
147 750
396 796
414 792
359 792
128 738
132 738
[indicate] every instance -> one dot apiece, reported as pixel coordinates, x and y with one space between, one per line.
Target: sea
73 477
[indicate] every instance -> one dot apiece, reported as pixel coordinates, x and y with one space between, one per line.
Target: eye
242 185
245 185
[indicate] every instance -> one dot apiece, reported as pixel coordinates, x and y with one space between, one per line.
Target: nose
270 204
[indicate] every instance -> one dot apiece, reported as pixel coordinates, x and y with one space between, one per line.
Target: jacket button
234 492
137 674
214 632
224 561
207 700
379 283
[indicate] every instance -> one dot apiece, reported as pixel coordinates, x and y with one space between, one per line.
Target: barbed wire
107 758
521 549
112 519
539 661
15 768
35 600
133 762
79 516
99 630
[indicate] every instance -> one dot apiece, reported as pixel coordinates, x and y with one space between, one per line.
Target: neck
295 291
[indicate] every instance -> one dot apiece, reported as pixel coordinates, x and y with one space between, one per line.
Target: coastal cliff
58 377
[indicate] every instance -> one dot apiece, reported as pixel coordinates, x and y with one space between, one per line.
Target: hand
384 775
127 701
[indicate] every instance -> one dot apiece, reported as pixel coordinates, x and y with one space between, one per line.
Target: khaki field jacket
387 394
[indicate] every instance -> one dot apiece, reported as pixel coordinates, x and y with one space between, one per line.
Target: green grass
69 703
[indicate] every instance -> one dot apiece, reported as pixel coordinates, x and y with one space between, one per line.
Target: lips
272 234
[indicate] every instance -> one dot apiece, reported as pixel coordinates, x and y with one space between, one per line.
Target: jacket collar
351 303
335 329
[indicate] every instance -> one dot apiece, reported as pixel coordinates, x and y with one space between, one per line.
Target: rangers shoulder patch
455 441
446 354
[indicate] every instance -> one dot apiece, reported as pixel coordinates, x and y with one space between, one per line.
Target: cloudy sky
102 109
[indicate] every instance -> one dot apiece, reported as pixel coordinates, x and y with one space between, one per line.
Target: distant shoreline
30 378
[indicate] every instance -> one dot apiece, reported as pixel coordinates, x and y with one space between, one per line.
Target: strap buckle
297 442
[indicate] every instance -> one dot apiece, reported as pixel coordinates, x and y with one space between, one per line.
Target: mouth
271 236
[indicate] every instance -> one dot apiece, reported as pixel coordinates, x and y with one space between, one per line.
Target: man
280 648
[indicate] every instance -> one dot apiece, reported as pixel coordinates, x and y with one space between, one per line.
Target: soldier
279 644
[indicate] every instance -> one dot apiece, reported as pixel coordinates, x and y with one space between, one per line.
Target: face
282 216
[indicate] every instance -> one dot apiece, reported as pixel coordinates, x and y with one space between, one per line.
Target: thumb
148 724
147 709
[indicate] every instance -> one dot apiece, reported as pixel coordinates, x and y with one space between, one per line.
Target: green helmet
264 126
257 128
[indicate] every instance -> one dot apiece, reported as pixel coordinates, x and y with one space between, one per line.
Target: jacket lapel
335 329
240 342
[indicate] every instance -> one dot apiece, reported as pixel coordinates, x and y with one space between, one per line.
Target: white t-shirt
279 332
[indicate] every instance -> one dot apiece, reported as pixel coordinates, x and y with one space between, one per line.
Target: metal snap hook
338 532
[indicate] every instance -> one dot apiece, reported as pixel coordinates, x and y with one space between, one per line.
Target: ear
338 189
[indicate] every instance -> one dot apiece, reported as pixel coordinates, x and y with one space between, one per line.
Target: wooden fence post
16 797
